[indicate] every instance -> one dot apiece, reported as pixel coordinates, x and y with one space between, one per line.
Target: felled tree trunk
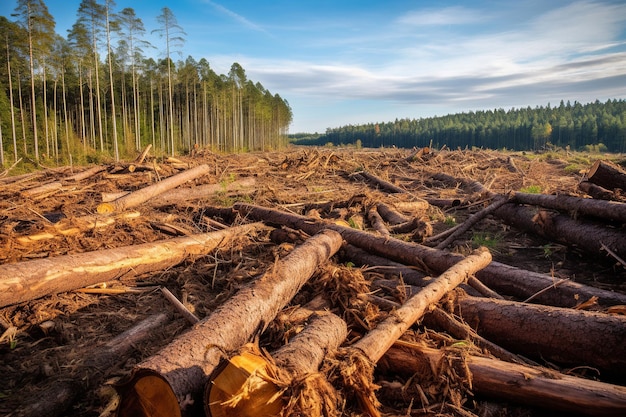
61 394
608 210
608 175
375 343
200 192
28 280
531 386
86 173
140 196
566 336
171 380
257 394
596 191
502 278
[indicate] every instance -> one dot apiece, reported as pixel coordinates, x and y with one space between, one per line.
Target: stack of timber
318 282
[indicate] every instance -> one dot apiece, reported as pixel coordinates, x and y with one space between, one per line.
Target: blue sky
340 62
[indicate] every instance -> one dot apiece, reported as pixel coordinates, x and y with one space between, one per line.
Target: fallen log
42 189
502 278
532 386
563 335
243 386
608 210
391 215
28 280
607 174
71 227
85 174
377 222
170 381
371 347
142 156
140 196
200 192
59 396
596 191
376 342
587 236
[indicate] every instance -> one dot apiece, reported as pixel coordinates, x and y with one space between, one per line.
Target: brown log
28 280
142 155
377 222
502 278
376 342
256 394
385 185
608 175
391 215
587 236
85 174
140 196
57 397
559 228
528 385
472 220
165 383
596 191
566 336
200 192
70 227
42 189
608 210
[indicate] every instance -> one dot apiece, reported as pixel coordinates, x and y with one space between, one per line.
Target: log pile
314 282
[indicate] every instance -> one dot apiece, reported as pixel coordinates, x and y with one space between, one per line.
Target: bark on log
200 192
608 175
385 185
140 196
376 342
70 227
502 278
566 336
85 174
587 236
59 396
142 155
559 228
391 215
176 375
596 191
524 384
377 222
41 189
258 395
28 280
608 210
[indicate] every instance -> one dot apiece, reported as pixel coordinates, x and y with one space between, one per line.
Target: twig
538 293
180 307
613 254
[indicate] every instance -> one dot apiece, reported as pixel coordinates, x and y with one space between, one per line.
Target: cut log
166 383
385 185
562 335
43 189
200 192
237 390
85 174
596 191
140 196
528 385
71 227
608 175
608 210
377 222
62 393
28 280
587 236
142 155
376 342
502 278
391 215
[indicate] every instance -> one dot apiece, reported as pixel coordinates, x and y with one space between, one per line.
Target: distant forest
577 126
98 94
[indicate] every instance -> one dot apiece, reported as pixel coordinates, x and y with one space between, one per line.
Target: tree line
97 93
577 126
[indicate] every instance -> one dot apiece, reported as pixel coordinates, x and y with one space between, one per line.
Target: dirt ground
48 340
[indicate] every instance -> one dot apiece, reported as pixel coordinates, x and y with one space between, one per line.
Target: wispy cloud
455 15
235 16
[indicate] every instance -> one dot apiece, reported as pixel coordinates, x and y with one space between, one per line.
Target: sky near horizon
340 62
